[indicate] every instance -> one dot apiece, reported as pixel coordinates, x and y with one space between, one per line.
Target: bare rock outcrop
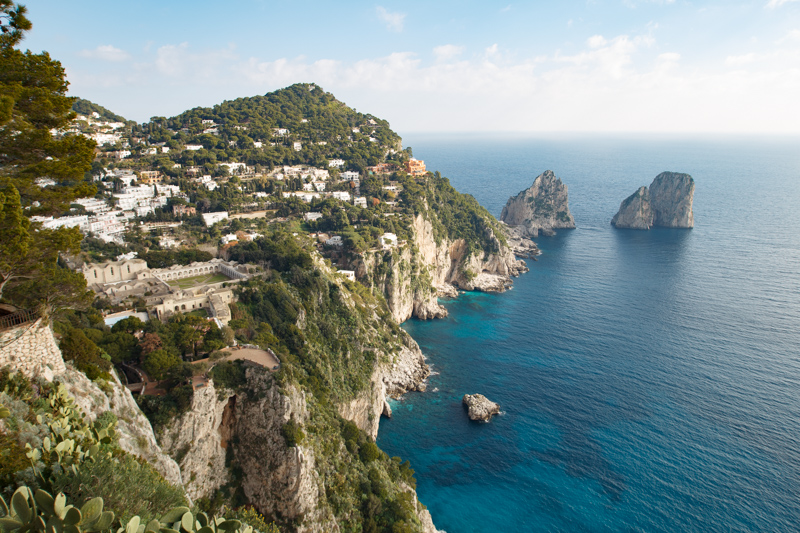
542 207
635 211
672 196
195 441
133 429
479 407
667 203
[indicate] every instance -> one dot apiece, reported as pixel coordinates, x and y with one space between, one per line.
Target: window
95 274
112 271
129 269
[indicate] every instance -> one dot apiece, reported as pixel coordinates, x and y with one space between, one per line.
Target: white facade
336 240
338 163
93 204
194 147
297 146
360 202
341 195
349 175
312 216
349 274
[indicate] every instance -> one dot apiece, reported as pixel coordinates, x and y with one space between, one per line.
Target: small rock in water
480 407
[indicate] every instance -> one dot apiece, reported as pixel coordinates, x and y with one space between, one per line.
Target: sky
663 66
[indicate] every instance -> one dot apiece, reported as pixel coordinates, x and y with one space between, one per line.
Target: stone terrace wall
31 349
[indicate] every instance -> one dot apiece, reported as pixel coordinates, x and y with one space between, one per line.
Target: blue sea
649 380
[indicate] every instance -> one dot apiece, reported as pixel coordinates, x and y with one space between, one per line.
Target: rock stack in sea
480 408
667 203
543 207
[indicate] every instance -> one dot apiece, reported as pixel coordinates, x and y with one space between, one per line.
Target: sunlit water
649 381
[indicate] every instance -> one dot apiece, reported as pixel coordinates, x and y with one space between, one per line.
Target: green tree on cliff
34 105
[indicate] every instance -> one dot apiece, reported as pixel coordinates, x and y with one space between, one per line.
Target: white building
341 195
281 131
360 202
194 147
318 185
80 221
336 240
349 175
212 218
229 238
338 163
312 216
297 146
258 144
93 204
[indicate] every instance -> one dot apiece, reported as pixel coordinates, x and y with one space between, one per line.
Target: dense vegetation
85 107
454 215
48 448
322 124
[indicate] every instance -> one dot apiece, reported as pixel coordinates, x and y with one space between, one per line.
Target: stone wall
31 349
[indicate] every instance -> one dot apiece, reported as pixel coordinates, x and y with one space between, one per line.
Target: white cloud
106 52
772 4
394 20
447 51
596 41
793 35
736 61
615 83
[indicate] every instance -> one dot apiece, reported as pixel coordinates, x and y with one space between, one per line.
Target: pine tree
34 109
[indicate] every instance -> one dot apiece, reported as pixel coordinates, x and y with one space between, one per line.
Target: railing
18 318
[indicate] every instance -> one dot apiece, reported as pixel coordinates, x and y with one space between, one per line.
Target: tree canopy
34 109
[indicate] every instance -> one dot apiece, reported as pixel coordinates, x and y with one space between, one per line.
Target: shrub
292 433
369 451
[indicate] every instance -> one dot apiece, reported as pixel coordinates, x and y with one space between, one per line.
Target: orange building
415 167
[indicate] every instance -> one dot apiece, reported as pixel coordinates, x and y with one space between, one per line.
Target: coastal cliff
542 207
441 255
667 203
238 438
294 446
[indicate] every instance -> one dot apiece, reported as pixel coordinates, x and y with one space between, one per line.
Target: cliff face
667 203
133 429
544 206
282 482
635 211
411 279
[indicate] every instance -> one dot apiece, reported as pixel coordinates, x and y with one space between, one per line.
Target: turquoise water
649 381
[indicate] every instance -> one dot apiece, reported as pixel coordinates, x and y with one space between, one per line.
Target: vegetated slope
300 440
302 113
86 107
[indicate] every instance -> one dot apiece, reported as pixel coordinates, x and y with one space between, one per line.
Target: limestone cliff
413 277
286 483
133 429
635 211
667 203
544 206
